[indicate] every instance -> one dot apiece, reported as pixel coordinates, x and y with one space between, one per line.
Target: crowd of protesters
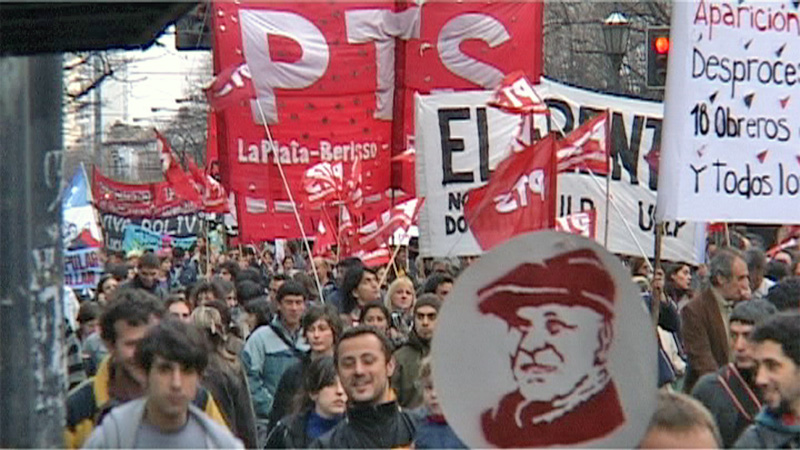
208 349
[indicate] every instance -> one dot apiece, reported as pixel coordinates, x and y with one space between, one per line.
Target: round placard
546 342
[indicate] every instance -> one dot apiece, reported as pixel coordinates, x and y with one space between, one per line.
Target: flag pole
625 222
657 292
291 197
610 143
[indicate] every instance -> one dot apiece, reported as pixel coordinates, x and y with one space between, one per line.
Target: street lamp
616 30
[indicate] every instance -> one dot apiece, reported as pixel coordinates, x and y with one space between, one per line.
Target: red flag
582 223
586 148
378 257
520 196
516 96
378 231
231 87
174 174
324 239
405 166
213 194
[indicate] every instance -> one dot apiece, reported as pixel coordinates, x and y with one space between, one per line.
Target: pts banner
334 82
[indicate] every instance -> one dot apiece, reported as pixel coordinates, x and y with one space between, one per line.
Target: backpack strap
297 352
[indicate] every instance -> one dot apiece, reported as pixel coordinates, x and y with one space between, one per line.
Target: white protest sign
459 140
552 341
635 131
731 134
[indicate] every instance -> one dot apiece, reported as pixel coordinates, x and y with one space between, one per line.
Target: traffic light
657 53
193 30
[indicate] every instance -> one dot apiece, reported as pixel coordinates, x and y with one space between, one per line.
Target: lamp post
616 30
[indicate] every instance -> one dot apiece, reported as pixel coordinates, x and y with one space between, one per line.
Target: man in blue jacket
270 350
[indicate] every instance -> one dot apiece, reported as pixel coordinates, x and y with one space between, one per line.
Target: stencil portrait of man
560 322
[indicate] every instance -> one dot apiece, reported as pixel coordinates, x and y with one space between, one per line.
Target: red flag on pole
586 148
213 194
174 174
520 196
516 96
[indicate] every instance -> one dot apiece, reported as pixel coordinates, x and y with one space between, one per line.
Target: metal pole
32 365
657 292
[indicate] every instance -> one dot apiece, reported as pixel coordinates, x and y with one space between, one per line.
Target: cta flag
519 197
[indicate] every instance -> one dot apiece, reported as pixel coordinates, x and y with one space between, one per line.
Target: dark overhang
54 27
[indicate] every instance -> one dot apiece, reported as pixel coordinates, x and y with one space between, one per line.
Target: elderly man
560 314
705 320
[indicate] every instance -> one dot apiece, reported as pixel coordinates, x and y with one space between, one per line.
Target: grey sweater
118 428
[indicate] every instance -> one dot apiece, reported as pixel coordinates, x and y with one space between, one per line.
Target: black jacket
290 432
382 426
290 383
734 405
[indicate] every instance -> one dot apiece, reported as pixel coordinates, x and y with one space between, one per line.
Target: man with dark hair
364 362
184 269
680 422
146 276
757 266
274 285
270 350
777 354
206 292
119 378
172 356
335 295
438 283
704 320
409 356
730 394
785 295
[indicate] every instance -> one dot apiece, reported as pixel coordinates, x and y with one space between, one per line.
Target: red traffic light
661 45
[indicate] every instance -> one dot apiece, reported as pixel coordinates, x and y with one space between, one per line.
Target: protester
270 350
257 314
228 270
321 328
438 283
119 378
322 403
88 319
359 287
730 394
323 269
274 285
776 270
205 292
178 308
785 295
146 278
777 355
409 357
400 300
172 357
756 266
705 319
184 269
433 431
680 422
224 377
107 284
336 297
364 363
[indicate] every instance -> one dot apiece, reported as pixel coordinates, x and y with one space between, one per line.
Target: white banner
635 130
459 140
731 142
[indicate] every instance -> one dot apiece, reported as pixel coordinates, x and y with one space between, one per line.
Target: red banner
520 196
321 76
137 200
